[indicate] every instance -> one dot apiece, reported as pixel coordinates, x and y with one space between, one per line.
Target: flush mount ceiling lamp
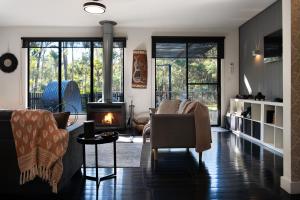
94 7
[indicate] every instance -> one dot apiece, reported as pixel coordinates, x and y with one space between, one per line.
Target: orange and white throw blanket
40 146
202 124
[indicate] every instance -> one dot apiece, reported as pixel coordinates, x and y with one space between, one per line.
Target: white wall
230 70
13 86
286 179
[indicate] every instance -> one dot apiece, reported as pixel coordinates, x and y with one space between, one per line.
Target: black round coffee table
97 139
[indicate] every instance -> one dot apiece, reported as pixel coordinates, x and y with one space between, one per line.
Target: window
68 72
118 68
43 69
188 67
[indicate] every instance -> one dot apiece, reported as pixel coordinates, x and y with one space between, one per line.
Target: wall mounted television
273 47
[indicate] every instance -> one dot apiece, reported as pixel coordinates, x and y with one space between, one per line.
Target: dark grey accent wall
262 77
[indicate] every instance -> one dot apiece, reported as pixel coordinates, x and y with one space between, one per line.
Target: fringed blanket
202 124
40 146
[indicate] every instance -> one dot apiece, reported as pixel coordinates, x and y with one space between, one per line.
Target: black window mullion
123 92
59 76
92 72
27 40
155 86
219 87
28 79
187 70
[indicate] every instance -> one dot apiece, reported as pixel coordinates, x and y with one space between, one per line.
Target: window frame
26 44
187 40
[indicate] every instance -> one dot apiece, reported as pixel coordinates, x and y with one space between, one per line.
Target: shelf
247 127
269 113
269 134
264 125
255 112
268 124
240 124
256 132
278 138
279 127
273 125
259 102
255 120
241 116
274 148
279 116
258 142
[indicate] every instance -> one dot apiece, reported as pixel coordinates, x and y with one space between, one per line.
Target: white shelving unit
263 125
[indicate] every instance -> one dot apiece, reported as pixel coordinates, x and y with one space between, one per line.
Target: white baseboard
289 186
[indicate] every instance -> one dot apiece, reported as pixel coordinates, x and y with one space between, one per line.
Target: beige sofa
172 131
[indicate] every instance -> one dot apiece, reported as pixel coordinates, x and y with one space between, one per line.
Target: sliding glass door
203 76
189 68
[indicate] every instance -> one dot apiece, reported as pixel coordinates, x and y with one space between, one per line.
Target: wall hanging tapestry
139 69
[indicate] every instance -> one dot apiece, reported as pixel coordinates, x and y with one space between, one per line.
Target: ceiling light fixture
94 7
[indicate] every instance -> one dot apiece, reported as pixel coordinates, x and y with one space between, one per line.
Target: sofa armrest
72 159
172 130
152 111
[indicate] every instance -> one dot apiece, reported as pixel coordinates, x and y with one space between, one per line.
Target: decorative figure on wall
8 62
139 69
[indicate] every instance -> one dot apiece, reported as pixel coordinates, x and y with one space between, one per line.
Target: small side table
97 139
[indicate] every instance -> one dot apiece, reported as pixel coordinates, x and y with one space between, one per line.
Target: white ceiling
133 13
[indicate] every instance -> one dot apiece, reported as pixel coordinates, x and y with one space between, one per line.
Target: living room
224 73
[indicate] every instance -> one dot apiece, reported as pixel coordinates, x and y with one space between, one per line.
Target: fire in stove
108 118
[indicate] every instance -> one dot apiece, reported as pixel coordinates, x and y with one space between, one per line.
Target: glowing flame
108 118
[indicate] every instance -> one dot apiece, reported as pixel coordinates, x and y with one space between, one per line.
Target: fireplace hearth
107 116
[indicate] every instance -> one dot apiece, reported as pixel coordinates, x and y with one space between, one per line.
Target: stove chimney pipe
107 29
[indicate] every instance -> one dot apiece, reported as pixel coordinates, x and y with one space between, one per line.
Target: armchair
172 131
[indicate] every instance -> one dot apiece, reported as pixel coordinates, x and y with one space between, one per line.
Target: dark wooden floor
232 169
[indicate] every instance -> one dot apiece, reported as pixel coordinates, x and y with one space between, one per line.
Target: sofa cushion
168 106
182 105
61 119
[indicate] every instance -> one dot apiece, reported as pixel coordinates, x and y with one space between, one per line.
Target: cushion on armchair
183 105
168 106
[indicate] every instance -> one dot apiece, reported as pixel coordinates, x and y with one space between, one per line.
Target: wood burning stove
107 116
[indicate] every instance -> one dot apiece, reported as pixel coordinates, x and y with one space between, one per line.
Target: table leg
96 159
115 158
84 163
